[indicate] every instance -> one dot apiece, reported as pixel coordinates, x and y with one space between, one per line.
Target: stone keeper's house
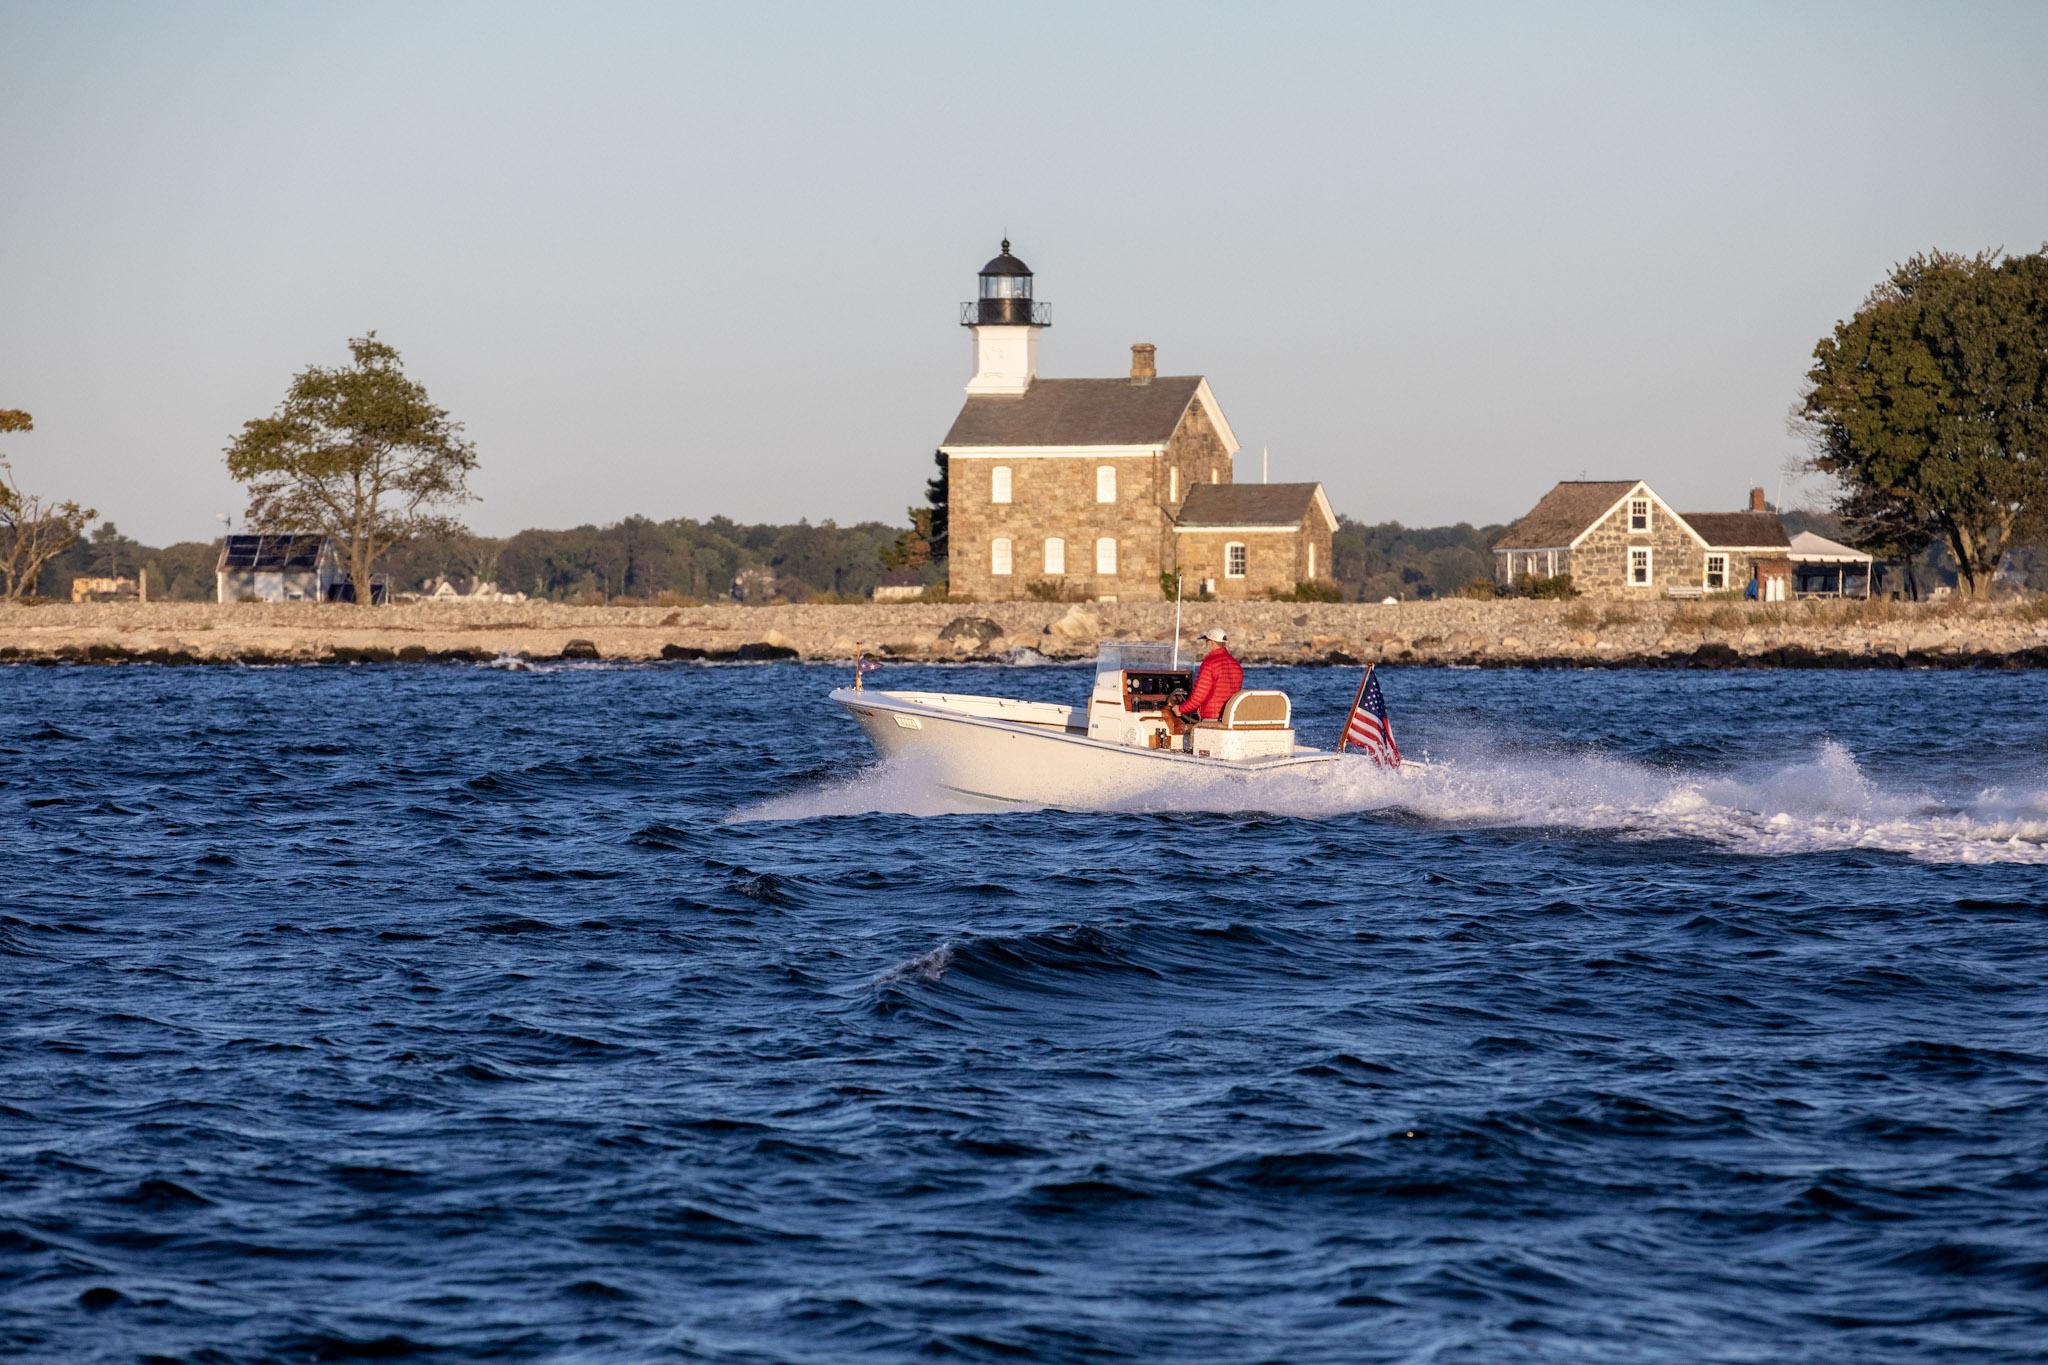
1096 487
1619 539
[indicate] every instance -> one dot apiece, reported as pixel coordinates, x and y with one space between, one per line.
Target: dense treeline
1392 560
637 559
642 560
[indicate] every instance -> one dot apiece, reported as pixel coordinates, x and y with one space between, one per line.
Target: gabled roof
271 553
1078 412
1562 513
1211 505
1745 530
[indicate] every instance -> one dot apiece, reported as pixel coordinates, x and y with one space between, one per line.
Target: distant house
1619 539
120 589
900 585
755 585
285 568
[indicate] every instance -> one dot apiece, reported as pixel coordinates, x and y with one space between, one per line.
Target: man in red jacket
1221 677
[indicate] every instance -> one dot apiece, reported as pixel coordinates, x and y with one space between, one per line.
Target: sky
678 260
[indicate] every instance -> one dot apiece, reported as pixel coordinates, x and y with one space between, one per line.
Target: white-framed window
1233 559
1105 483
1055 555
999 556
1638 514
1173 484
1639 566
1717 572
1105 556
1311 563
1212 475
999 484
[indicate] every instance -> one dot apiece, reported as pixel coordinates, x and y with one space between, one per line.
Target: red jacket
1220 679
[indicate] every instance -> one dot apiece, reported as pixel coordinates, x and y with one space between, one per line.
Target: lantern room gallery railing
998 312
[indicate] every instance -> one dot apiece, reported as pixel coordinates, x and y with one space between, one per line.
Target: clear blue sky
683 260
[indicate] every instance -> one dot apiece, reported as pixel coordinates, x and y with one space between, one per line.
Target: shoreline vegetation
1505 633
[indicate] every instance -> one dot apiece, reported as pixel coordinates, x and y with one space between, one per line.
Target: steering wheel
1171 714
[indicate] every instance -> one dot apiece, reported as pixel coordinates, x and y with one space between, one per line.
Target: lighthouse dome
1006 264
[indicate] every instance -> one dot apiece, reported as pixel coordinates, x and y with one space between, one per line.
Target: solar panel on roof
272 553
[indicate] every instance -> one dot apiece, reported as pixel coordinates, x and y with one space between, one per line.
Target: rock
975 631
1513 644
760 651
1077 624
580 649
1714 654
681 652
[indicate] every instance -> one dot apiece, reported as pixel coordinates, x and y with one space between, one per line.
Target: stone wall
1599 563
1491 633
1198 453
1054 496
1271 561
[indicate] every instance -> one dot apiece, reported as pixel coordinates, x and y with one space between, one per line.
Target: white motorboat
1122 748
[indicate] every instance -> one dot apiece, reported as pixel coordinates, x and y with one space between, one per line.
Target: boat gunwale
1303 756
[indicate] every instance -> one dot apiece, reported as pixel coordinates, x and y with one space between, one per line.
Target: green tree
937 489
358 453
112 554
913 548
33 530
1930 408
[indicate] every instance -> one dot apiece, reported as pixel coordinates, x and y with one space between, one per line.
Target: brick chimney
1143 371
1756 501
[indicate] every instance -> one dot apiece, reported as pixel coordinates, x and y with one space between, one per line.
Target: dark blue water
448 1013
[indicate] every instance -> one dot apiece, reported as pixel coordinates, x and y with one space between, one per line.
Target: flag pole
1176 619
856 666
1345 737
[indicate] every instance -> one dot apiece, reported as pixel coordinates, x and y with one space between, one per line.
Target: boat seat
1253 711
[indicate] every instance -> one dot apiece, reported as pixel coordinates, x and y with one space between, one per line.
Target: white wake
1817 802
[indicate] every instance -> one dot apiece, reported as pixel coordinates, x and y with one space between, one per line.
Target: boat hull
1045 763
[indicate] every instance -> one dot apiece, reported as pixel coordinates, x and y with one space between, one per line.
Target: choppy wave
459 1014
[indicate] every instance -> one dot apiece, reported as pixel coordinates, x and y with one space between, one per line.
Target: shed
278 568
900 585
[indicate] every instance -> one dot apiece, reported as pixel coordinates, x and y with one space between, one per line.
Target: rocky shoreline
1576 634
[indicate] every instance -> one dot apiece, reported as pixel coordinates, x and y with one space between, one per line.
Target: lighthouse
1005 322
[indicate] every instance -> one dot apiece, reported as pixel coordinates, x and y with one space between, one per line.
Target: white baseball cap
1216 634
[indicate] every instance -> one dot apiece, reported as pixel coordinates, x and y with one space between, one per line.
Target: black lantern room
1005 296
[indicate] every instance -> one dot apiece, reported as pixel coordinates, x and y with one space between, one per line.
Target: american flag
1368 728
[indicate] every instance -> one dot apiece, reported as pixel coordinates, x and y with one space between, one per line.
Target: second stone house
1620 539
1097 488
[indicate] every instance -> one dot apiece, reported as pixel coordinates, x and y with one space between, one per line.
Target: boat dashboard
1154 689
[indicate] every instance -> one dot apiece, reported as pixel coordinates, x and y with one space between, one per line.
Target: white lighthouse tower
1006 324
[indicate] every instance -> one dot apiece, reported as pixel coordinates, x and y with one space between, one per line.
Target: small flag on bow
1367 725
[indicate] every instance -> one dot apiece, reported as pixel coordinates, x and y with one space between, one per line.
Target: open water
630 1014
